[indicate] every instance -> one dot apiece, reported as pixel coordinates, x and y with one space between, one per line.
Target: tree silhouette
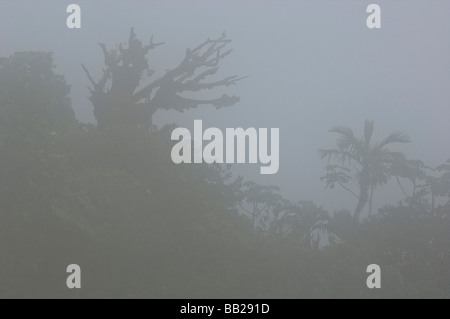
34 101
257 202
35 114
119 98
416 172
304 221
439 186
444 181
357 160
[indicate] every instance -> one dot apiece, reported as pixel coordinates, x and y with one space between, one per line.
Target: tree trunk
413 197
361 203
371 200
432 203
254 216
363 194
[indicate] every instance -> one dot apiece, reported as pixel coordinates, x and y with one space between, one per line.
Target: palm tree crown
358 160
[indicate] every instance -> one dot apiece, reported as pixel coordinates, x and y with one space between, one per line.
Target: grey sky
312 65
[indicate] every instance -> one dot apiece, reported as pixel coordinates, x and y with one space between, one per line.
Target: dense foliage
111 201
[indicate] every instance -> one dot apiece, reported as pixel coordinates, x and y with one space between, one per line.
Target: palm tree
360 161
305 221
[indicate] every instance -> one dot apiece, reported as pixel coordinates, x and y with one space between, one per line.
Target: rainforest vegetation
107 197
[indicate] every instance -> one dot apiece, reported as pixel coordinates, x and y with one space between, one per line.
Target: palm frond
347 140
397 137
368 131
340 155
343 130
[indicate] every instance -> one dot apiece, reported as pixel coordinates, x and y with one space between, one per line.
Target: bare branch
89 76
108 59
153 45
126 67
401 187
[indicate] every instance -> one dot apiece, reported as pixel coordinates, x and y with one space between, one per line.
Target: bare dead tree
119 98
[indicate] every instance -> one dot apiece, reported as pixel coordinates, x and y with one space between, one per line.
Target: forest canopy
107 196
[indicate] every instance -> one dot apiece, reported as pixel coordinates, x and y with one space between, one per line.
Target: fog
309 66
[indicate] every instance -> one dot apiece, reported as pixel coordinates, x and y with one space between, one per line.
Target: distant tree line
107 197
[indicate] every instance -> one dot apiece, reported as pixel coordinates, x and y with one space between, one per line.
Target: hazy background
311 66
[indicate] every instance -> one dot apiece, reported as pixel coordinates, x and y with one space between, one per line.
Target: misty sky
311 65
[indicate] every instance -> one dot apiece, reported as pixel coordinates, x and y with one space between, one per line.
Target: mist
307 67
311 67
